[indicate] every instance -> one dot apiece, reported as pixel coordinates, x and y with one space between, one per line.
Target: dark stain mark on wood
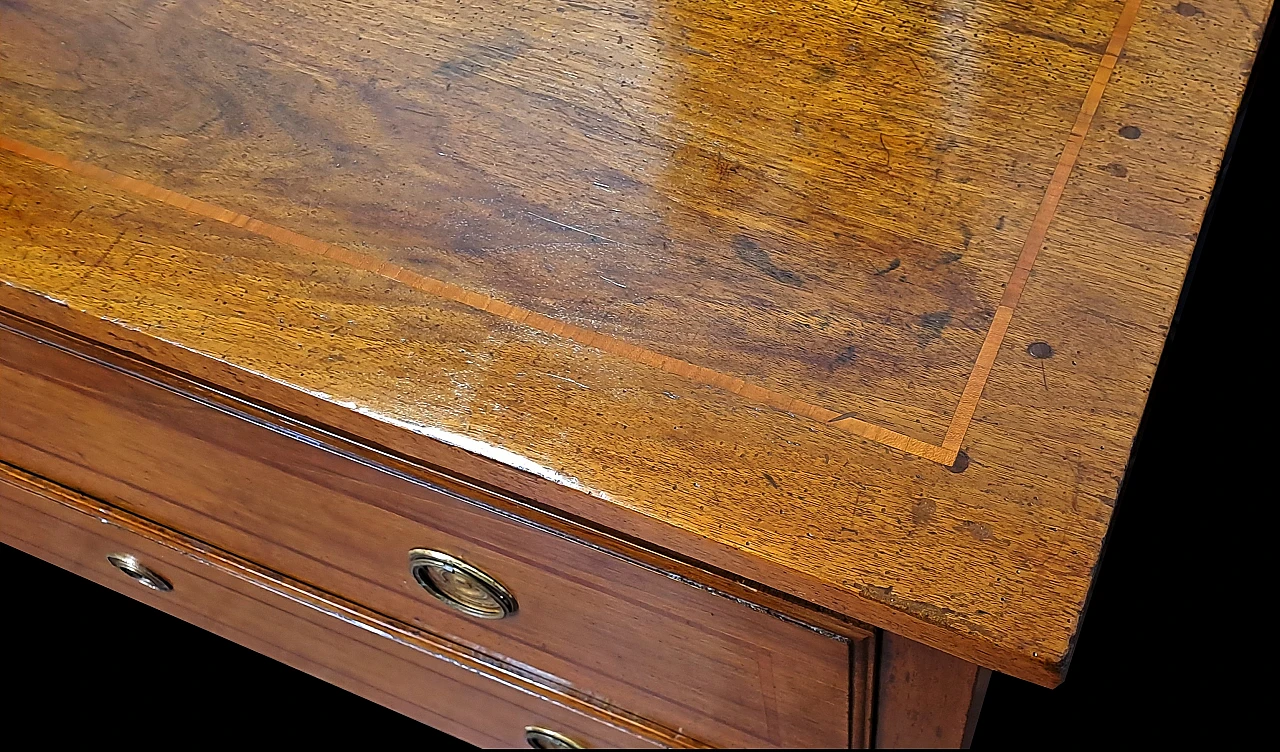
481 57
978 530
894 264
693 50
825 72
1131 132
947 258
1115 169
1040 350
749 251
932 324
843 416
843 358
967 235
1187 9
769 478
922 511
961 464
723 168
1096 48
233 117
1000 223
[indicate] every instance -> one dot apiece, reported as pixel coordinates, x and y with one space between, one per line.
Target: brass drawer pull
129 564
460 585
540 738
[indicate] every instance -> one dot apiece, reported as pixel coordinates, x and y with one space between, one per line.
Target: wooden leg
926 698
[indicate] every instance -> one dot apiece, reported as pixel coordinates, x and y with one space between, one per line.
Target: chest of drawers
642 374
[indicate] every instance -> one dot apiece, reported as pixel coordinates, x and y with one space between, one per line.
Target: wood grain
675 653
1039 228
302 131
926 699
438 683
798 210
946 453
487 303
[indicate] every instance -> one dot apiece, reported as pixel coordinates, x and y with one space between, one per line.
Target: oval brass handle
541 738
129 564
460 585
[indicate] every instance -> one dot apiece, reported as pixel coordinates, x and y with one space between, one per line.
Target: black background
1154 652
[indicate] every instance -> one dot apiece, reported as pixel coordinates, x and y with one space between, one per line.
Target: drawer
314 508
404 670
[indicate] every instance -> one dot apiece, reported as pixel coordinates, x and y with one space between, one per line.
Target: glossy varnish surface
743 268
751 236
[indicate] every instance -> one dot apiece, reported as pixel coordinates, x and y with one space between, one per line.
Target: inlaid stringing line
945 454
1036 235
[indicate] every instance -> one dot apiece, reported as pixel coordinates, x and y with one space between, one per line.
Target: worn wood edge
1245 101
745 593
796 592
534 684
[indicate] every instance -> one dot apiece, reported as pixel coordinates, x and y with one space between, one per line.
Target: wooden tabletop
859 301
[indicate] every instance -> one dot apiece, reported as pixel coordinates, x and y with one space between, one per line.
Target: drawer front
270 615
679 655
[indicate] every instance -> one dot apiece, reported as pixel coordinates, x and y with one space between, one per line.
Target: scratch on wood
110 248
571 227
566 378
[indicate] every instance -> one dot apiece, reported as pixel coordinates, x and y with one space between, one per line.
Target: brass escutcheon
541 738
129 564
460 585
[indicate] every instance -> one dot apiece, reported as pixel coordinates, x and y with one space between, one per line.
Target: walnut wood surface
435 682
752 272
677 654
